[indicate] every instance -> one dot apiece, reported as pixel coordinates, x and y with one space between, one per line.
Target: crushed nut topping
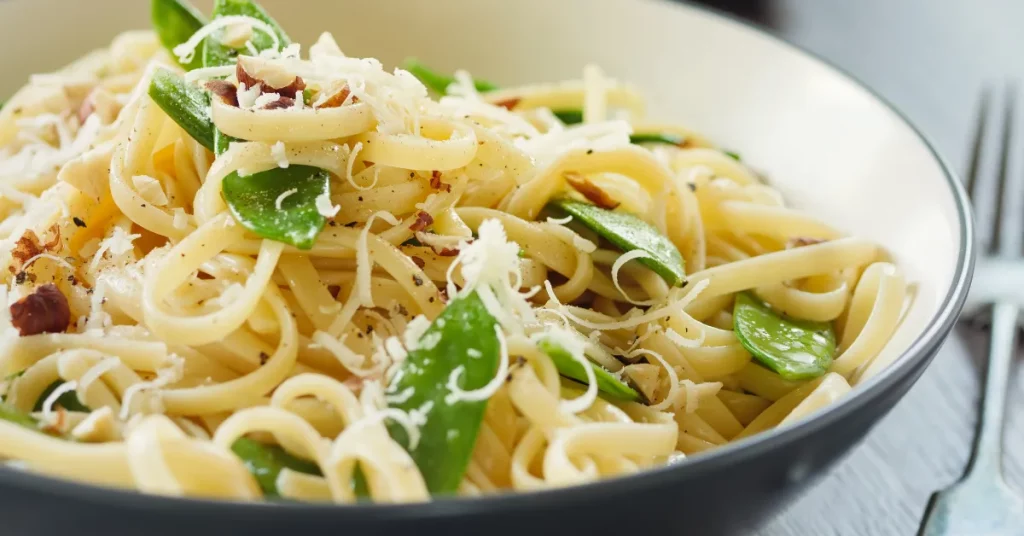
44 311
591 191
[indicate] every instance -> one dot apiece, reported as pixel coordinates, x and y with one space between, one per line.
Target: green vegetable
794 349
9 414
437 82
446 439
734 156
569 117
186 104
607 383
175 21
628 232
669 139
216 54
68 400
253 201
265 462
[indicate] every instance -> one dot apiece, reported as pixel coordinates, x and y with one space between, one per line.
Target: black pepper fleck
590 151
263 358
417 280
692 186
78 221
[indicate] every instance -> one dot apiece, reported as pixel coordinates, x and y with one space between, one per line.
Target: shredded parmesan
652 314
65 387
164 377
277 151
284 195
265 99
325 207
247 97
186 51
457 394
54 258
618 264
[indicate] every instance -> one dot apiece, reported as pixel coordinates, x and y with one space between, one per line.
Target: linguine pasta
203 337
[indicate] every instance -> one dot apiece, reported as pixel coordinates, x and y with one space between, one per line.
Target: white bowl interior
831 147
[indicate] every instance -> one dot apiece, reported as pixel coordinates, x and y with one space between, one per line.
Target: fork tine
1001 243
979 139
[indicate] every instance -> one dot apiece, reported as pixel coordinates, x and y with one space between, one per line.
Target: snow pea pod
438 82
607 383
174 22
216 54
280 203
628 232
793 349
184 103
667 139
10 414
462 344
68 400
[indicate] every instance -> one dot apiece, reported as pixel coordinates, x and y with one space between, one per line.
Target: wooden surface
930 58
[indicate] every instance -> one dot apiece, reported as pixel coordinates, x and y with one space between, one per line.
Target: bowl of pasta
341 267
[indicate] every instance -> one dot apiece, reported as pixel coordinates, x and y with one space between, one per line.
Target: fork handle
986 458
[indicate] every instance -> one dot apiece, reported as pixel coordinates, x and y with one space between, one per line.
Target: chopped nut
435 182
423 220
44 311
337 98
418 262
279 104
590 190
270 77
508 104
227 91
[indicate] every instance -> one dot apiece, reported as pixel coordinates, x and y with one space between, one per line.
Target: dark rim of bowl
924 346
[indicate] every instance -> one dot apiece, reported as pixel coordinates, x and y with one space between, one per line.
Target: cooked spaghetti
238 270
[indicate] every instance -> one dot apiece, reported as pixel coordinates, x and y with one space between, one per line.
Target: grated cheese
265 99
324 206
96 371
277 151
617 266
65 387
247 97
457 394
186 51
164 377
118 243
284 195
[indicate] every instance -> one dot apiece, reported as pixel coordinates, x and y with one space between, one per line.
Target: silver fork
981 503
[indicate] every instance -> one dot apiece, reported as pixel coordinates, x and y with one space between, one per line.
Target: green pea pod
68 400
10 414
217 54
186 104
437 82
280 203
175 21
607 383
462 338
668 139
628 232
265 462
793 349
569 117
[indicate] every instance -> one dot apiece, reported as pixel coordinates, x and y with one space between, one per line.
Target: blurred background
931 59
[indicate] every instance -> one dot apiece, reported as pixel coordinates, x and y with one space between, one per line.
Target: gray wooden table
930 58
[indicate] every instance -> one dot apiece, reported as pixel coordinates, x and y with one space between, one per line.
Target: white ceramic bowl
835 149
